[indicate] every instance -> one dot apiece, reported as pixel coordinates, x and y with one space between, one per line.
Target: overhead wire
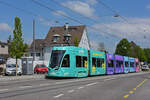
36 15
95 21
23 10
111 9
77 21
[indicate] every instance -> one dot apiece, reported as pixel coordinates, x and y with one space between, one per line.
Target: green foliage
26 47
123 48
17 46
147 54
76 41
142 55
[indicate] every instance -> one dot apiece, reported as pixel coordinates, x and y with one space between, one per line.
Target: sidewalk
23 77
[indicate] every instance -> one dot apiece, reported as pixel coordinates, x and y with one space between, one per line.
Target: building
3 50
61 36
39 47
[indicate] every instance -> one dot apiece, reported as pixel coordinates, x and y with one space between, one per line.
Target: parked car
145 68
40 68
149 65
11 70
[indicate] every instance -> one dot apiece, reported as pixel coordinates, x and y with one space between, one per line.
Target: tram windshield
56 57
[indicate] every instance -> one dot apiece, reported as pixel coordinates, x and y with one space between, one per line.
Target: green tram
70 61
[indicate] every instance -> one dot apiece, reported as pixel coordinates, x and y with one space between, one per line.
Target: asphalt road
134 86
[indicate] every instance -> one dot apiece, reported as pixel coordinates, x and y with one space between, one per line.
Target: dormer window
67 37
56 37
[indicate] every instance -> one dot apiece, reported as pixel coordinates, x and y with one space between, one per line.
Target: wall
47 52
84 43
4 50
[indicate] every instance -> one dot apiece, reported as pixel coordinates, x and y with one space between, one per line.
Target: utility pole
33 40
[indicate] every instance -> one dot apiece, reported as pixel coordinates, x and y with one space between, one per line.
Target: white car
11 70
145 68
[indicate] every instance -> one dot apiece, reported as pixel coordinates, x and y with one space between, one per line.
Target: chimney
66 26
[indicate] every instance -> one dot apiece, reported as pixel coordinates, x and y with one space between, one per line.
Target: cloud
5 27
59 13
82 8
148 6
137 30
92 2
46 22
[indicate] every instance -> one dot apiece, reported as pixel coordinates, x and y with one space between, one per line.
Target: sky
132 23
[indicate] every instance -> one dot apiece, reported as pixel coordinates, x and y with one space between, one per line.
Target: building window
38 54
55 39
2 46
67 37
66 61
32 54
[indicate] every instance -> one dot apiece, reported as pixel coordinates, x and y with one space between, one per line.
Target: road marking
92 84
44 84
3 90
57 96
134 88
126 96
80 87
70 91
25 87
142 83
109 79
131 92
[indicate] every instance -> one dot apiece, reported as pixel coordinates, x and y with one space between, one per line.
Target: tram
70 61
132 64
126 64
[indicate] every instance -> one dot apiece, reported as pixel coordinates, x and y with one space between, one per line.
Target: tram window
126 64
94 62
78 61
131 64
119 63
137 64
99 62
102 62
84 62
66 61
110 63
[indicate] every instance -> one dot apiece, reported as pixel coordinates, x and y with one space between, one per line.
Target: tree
142 56
76 41
123 48
17 46
139 53
26 48
147 54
